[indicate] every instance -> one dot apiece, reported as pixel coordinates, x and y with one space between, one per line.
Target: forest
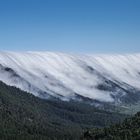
26 117
128 130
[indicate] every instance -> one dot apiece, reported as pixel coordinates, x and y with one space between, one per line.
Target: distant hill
128 130
26 117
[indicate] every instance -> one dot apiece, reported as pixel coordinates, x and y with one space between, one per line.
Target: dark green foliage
26 117
128 130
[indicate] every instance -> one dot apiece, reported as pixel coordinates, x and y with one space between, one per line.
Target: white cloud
67 74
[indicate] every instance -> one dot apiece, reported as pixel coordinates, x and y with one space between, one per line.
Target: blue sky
91 26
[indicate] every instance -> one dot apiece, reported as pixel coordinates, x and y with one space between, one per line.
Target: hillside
26 117
128 130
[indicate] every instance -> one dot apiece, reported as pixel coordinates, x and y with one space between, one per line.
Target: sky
90 26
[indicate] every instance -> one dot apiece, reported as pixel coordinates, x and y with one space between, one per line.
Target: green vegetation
26 117
128 130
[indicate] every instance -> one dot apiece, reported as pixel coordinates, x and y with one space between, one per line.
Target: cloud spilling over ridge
65 75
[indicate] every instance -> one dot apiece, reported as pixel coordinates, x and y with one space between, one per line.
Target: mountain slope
103 78
128 130
24 116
